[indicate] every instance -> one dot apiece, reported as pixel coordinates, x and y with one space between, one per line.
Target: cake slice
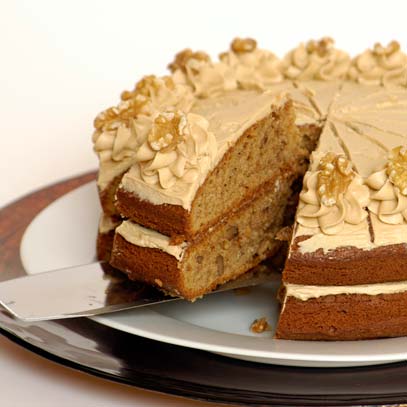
240 199
244 146
186 174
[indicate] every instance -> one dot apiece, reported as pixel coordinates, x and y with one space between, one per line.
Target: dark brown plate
96 349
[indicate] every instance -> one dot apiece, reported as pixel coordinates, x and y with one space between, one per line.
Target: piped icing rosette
254 68
316 60
115 137
380 66
333 194
205 77
389 189
177 147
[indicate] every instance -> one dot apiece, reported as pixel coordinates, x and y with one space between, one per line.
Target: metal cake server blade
89 290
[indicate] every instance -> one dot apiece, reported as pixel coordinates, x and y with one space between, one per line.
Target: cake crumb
260 325
158 282
284 234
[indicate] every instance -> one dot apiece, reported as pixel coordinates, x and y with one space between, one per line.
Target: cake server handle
88 290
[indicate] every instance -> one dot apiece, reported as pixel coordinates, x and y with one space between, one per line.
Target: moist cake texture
198 170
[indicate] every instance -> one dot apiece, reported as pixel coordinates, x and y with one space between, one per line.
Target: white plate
64 234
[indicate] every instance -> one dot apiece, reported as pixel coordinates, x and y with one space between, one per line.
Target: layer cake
198 171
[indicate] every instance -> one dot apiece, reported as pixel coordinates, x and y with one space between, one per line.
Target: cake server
91 289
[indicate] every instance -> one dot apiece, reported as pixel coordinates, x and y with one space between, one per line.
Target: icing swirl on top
380 66
254 68
116 144
115 136
177 147
333 194
389 189
316 60
196 70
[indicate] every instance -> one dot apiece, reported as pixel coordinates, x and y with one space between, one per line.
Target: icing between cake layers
306 292
141 236
107 224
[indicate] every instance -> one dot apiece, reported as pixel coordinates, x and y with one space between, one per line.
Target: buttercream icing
116 129
107 224
333 194
143 237
380 66
306 292
253 68
388 198
364 124
228 115
205 77
316 60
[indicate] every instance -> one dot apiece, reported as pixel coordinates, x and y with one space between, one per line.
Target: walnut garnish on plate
260 325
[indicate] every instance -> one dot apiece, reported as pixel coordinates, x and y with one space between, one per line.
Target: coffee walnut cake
199 170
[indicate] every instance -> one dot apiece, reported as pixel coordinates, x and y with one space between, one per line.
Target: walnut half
166 132
335 175
397 168
181 59
241 45
391 48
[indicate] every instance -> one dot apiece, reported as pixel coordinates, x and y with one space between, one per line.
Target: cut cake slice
243 198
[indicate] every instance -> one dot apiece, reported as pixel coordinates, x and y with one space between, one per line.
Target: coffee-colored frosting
306 292
143 237
207 78
330 215
228 116
357 236
116 135
254 68
364 124
178 152
389 200
316 60
107 224
380 66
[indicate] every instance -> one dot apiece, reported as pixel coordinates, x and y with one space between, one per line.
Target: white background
61 62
